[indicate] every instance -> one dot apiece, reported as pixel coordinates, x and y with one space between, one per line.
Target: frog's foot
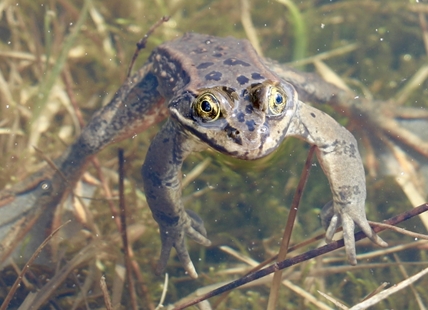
193 227
332 218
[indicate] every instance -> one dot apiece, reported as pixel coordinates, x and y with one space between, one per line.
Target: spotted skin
247 127
256 111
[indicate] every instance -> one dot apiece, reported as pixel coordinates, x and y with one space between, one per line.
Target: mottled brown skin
256 111
245 128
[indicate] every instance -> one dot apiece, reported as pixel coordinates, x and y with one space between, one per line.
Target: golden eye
207 107
277 100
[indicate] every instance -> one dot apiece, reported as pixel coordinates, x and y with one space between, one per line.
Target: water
247 206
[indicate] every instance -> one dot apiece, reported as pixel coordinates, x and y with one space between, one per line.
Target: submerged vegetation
61 60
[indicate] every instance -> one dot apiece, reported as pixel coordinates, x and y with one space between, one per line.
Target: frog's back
196 61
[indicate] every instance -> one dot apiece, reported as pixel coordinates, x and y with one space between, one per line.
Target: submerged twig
26 266
414 83
325 55
377 290
247 24
401 230
107 300
412 287
47 84
335 302
386 293
122 208
302 257
142 43
276 282
299 29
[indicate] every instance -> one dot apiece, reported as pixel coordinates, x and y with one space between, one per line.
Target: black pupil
206 106
278 99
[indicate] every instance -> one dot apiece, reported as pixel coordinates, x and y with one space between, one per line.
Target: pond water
62 60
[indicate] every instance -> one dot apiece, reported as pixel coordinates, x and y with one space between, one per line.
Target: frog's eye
207 107
277 100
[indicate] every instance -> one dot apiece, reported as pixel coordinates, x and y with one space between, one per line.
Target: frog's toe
368 231
335 220
167 245
330 220
171 238
348 223
197 236
349 239
197 223
332 226
184 257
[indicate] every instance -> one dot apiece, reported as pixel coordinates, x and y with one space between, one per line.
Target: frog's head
248 125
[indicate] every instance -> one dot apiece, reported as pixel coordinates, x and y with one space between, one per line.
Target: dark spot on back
204 65
213 75
257 76
313 115
242 79
240 117
218 55
235 62
249 109
251 125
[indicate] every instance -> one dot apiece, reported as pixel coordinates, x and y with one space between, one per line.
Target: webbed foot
332 217
174 236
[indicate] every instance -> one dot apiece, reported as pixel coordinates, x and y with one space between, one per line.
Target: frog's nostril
263 129
233 134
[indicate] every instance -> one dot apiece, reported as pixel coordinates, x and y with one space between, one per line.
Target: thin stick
424 28
68 82
122 207
276 282
249 28
393 289
301 258
107 300
107 193
26 266
142 43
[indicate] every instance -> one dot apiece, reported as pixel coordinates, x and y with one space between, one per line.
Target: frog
214 92
222 96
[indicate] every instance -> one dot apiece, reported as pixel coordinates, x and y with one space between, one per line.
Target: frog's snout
249 136
234 134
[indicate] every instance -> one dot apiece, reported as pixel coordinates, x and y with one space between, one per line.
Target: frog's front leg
340 160
162 184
